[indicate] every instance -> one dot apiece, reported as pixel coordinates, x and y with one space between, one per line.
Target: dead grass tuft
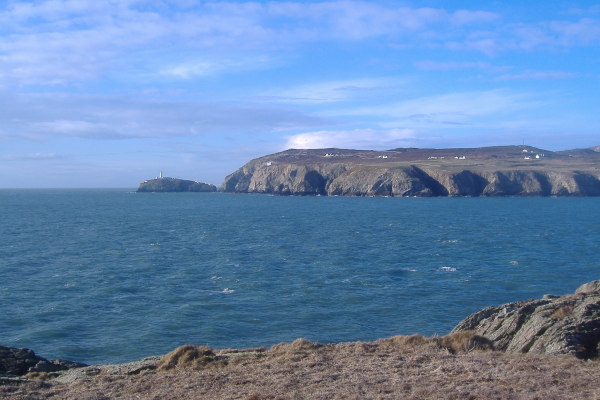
297 346
188 357
411 342
464 342
364 347
459 342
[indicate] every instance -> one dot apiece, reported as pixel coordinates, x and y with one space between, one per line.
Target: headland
485 171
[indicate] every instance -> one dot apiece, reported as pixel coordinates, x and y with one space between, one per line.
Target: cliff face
288 173
174 185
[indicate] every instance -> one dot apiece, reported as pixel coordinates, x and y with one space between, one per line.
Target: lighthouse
160 176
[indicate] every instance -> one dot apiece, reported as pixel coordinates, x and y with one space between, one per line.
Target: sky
108 93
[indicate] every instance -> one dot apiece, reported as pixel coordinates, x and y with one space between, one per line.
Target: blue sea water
112 276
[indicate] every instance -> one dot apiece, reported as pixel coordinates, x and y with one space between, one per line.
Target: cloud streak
117 117
336 91
29 157
536 75
458 108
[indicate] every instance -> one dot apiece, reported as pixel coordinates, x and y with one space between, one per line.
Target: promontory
486 171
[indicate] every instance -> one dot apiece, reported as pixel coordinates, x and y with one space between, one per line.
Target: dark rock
563 325
18 362
175 185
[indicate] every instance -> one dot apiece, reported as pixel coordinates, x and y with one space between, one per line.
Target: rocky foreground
535 349
487 171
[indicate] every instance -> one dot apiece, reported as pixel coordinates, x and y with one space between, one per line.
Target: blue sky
106 93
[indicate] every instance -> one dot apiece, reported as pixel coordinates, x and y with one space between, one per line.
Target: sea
111 275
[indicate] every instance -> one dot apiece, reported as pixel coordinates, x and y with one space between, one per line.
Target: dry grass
39 376
458 366
189 357
464 341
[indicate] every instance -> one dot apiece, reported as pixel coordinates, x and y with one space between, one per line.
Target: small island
165 184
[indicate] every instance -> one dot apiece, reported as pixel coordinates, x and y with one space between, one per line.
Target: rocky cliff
492 171
174 185
553 325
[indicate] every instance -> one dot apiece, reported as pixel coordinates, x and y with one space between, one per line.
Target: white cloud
191 69
357 138
211 66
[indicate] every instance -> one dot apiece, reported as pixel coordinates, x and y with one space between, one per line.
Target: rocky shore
542 348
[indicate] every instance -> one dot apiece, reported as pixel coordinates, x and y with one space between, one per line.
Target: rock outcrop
18 362
567 324
503 171
174 185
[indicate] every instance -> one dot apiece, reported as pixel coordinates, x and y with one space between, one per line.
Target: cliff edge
487 171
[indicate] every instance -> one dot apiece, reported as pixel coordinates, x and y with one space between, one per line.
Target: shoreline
463 364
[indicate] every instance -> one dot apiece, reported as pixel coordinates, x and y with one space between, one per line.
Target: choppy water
112 276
